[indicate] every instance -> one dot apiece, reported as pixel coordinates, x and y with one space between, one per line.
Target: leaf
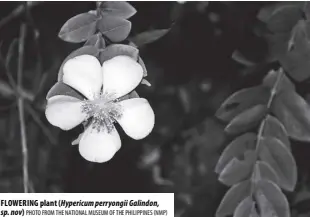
246 120
297 60
266 12
140 61
233 197
275 197
277 155
132 94
144 81
264 206
238 170
61 88
90 50
281 17
236 149
241 101
284 83
119 9
96 41
240 58
79 28
245 207
294 112
118 49
265 171
284 19
148 37
77 140
115 28
274 128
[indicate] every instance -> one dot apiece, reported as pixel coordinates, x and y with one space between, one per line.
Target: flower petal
83 73
99 146
121 75
137 118
64 112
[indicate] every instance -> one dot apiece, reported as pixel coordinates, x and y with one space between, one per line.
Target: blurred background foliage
191 72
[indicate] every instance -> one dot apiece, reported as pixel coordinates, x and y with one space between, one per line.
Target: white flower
102 86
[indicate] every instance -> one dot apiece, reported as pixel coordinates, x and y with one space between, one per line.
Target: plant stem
24 144
20 104
262 125
272 95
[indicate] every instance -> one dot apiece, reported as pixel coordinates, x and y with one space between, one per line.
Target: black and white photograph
149 108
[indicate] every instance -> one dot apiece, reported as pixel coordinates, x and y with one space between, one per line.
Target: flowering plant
96 82
103 86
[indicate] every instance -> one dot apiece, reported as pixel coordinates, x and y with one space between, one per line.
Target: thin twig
12 90
263 123
37 119
5 62
21 107
24 144
17 12
7 91
36 32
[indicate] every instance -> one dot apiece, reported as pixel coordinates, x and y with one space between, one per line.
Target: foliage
258 164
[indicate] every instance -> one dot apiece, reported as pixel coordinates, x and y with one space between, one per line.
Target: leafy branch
253 163
104 32
258 165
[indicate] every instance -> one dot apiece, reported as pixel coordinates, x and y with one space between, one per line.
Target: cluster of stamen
104 111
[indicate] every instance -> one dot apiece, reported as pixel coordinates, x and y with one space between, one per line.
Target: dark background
191 72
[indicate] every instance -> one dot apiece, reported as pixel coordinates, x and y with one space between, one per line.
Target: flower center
104 111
